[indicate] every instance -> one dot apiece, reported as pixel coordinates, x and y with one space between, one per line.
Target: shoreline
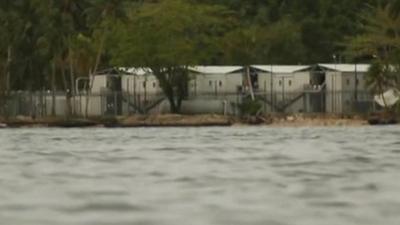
171 120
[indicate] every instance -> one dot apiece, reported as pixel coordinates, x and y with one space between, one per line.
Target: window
290 83
210 83
220 83
280 83
348 82
144 84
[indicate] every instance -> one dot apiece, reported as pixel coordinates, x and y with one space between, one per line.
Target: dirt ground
275 121
177 120
191 120
317 120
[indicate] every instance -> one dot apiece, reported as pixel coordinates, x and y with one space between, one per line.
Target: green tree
380 36
379 78
245 46
103 15
60 23
380 40
168 37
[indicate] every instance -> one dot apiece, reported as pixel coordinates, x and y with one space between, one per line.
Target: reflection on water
250 175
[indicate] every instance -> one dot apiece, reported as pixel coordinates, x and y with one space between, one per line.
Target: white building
331 88
215 80
141 82
281 85
345 85
122 91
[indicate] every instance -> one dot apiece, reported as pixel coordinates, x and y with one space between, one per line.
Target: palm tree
380 77
381 40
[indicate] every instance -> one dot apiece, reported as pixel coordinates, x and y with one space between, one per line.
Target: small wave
361 159
332 204
104 206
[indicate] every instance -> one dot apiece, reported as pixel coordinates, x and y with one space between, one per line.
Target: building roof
138 71
231 69
362 68
216 69
112 71
197 69
281 69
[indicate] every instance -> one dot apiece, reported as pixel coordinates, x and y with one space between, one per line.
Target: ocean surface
200 176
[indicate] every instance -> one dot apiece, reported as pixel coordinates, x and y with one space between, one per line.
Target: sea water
200 176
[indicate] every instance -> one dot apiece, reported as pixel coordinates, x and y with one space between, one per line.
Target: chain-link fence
45 103
329 102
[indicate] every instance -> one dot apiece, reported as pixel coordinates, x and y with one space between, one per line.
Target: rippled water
239 175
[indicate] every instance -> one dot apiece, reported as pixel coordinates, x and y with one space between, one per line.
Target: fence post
128 98
115 104
265 97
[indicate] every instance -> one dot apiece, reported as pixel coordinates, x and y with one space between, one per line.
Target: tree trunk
53 89
5 82
182 91
172 105
67 91
249 83
100 52
174 84
8 73
72 78
91 76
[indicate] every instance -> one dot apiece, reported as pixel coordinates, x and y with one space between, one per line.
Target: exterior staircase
284 104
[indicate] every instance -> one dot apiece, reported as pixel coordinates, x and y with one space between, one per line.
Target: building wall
287 82
340 95
301 79
349 81
96 106
281 82
285 87
206 83
215 83
334 85
232 82
99 83
264 82
143 84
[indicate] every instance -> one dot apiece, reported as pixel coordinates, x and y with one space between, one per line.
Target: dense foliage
47 44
